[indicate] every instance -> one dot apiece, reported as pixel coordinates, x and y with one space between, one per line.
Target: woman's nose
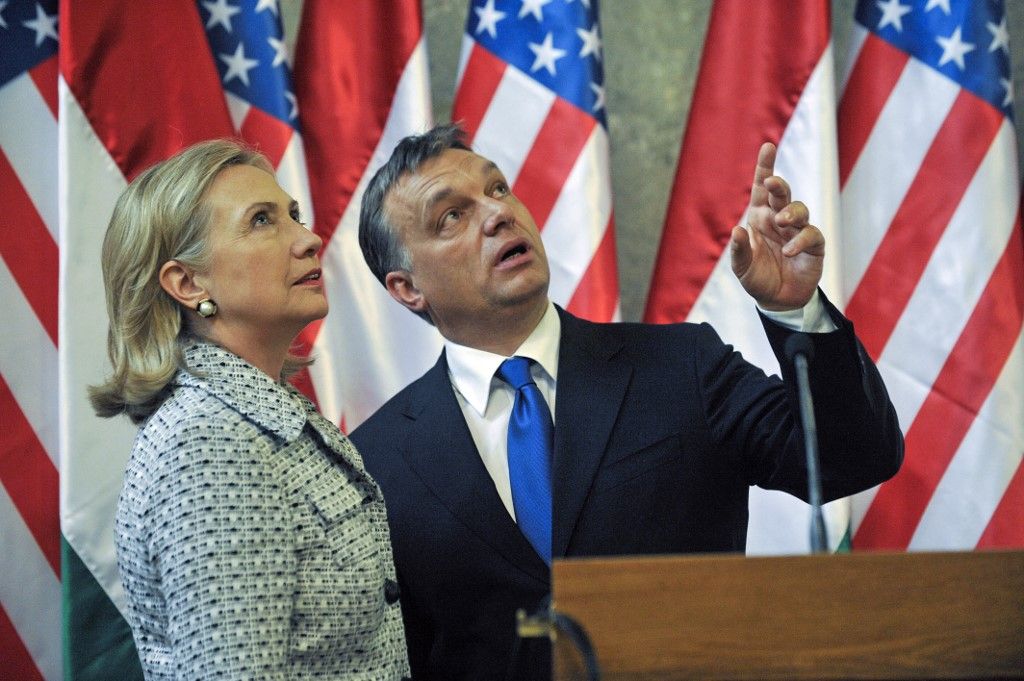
309 243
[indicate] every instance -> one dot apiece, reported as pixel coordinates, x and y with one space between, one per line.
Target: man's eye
260 219
452 215
501 189
297 216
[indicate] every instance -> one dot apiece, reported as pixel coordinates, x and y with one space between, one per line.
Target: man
658 430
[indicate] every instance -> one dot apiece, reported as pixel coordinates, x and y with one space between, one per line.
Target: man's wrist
811 318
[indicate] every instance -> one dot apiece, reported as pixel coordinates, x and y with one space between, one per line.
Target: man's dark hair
379 240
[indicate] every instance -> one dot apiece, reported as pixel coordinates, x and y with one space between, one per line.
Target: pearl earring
206 308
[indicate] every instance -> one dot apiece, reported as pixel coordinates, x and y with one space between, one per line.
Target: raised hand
778 256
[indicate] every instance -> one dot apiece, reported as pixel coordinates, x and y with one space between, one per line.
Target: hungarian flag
362 80
133 84
778 88
934 266
530 95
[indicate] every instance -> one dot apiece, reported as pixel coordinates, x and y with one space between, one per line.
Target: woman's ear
401 287
180 283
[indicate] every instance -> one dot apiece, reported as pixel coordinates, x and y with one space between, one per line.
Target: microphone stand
800 350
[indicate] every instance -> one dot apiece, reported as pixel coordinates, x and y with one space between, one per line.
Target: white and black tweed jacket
252 543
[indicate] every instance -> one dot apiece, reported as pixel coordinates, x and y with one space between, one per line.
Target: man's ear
180 283
401 287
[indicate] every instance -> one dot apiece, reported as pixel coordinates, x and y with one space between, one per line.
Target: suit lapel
592 382
440 449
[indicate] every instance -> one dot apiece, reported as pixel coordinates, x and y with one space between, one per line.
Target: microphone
800 351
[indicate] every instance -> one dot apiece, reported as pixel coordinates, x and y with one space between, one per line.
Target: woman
251 542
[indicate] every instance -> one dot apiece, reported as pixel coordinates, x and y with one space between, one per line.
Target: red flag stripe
1006 527
951 162
965 381
267 133
155 121
44 75
18 663
480 81
347 69
712 183
30 478
555 151
28 250
598 291
874 75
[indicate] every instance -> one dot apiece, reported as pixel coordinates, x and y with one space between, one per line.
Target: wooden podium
854 616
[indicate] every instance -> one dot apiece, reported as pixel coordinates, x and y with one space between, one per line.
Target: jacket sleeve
757 417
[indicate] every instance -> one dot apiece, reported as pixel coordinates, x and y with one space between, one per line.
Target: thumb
740 251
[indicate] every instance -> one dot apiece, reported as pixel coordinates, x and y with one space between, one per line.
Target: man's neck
501 336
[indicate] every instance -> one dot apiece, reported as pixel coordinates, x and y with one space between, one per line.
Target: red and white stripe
934 261
555 156
779 88
30 599
363 84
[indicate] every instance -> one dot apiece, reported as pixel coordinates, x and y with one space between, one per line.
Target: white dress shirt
486 401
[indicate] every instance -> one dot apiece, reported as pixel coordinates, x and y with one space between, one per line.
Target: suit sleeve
859 437
756 417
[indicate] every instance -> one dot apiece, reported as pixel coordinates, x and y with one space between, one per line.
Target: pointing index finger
765 169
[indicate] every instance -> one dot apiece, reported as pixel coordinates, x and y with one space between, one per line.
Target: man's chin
527 297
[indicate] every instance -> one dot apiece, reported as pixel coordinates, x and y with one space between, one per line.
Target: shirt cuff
811 318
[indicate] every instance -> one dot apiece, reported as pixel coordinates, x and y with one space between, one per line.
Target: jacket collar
472 370
276 407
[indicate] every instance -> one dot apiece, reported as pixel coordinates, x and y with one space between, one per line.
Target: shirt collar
276 407
471 370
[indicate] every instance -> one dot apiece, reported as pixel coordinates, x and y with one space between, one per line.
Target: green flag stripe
97 642
846 543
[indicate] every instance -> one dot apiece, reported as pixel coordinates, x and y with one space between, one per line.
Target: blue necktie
530 437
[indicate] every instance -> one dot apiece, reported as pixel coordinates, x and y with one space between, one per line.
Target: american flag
30 601
531 97
136 83
934 263
779 88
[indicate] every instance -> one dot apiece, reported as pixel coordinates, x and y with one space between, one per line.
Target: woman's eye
501 189
297 216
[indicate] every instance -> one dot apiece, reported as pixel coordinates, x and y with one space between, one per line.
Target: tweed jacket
251 542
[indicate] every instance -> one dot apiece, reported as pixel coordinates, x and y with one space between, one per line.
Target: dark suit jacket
659 432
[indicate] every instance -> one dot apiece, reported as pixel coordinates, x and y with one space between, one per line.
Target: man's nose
497 214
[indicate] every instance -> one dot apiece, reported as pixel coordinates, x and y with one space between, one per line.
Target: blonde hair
161 216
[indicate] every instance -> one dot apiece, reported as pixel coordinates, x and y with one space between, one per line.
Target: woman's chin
315 313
